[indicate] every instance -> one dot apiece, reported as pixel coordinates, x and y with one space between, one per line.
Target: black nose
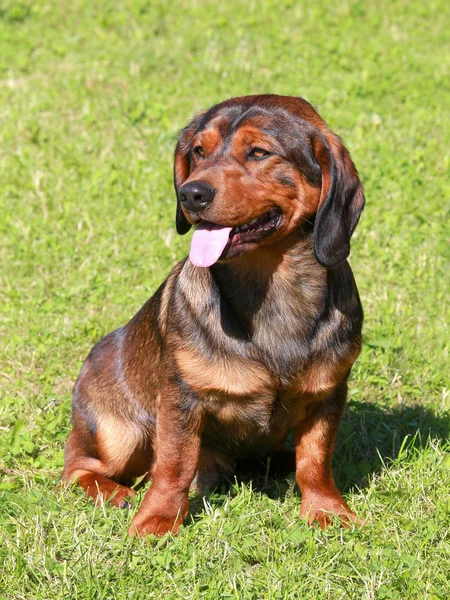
196 195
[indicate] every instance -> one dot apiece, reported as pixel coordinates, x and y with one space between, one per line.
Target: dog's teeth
260 221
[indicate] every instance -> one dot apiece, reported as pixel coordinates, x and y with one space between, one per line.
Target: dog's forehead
227 119
224 120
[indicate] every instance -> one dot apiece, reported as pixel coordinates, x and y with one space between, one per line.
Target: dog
251 337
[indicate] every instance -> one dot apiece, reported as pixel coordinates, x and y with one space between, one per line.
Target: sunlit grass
92 98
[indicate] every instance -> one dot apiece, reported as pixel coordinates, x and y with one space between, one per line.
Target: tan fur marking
75 475
232 375
209 139
117 441
322 377
243 412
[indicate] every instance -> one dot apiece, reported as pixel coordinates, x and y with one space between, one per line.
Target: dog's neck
276 305
279 288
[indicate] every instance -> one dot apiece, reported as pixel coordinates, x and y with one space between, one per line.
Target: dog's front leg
178 438
315 438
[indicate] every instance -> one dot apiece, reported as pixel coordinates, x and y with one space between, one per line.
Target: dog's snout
196 195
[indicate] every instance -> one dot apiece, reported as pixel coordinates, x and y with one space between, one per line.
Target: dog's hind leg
105 463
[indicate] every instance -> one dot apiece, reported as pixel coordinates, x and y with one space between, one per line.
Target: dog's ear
181 169
341 201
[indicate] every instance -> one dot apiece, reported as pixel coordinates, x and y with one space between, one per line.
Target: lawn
92 96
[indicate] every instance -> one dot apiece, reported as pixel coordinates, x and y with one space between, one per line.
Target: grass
92 96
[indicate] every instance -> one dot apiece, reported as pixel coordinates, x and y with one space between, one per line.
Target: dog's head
251 170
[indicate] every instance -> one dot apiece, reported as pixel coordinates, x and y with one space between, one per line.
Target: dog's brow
273 132
210 138
257 135
219 123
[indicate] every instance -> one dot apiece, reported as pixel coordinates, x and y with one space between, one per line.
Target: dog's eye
198 151
258 154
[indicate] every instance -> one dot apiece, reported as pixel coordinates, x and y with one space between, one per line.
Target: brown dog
251 338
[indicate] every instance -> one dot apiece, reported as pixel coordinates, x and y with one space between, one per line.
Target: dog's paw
325 511
104 490
111 493
154 525
122 497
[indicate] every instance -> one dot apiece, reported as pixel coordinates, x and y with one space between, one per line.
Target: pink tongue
208 243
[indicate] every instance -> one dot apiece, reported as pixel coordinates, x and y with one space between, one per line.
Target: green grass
92 96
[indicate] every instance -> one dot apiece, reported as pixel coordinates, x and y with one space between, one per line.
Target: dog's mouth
261 226
211 241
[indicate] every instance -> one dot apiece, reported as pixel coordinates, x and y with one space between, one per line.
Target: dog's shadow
369 438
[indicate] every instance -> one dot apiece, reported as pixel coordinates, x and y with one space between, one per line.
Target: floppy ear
180 174
341 201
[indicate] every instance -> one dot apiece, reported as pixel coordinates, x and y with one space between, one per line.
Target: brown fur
222 362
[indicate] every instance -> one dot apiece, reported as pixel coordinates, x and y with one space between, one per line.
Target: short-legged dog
251 337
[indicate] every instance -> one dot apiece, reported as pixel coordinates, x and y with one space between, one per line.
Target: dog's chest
250 407
257 364
252 424
231 379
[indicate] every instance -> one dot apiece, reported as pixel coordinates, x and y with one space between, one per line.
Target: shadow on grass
370 436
